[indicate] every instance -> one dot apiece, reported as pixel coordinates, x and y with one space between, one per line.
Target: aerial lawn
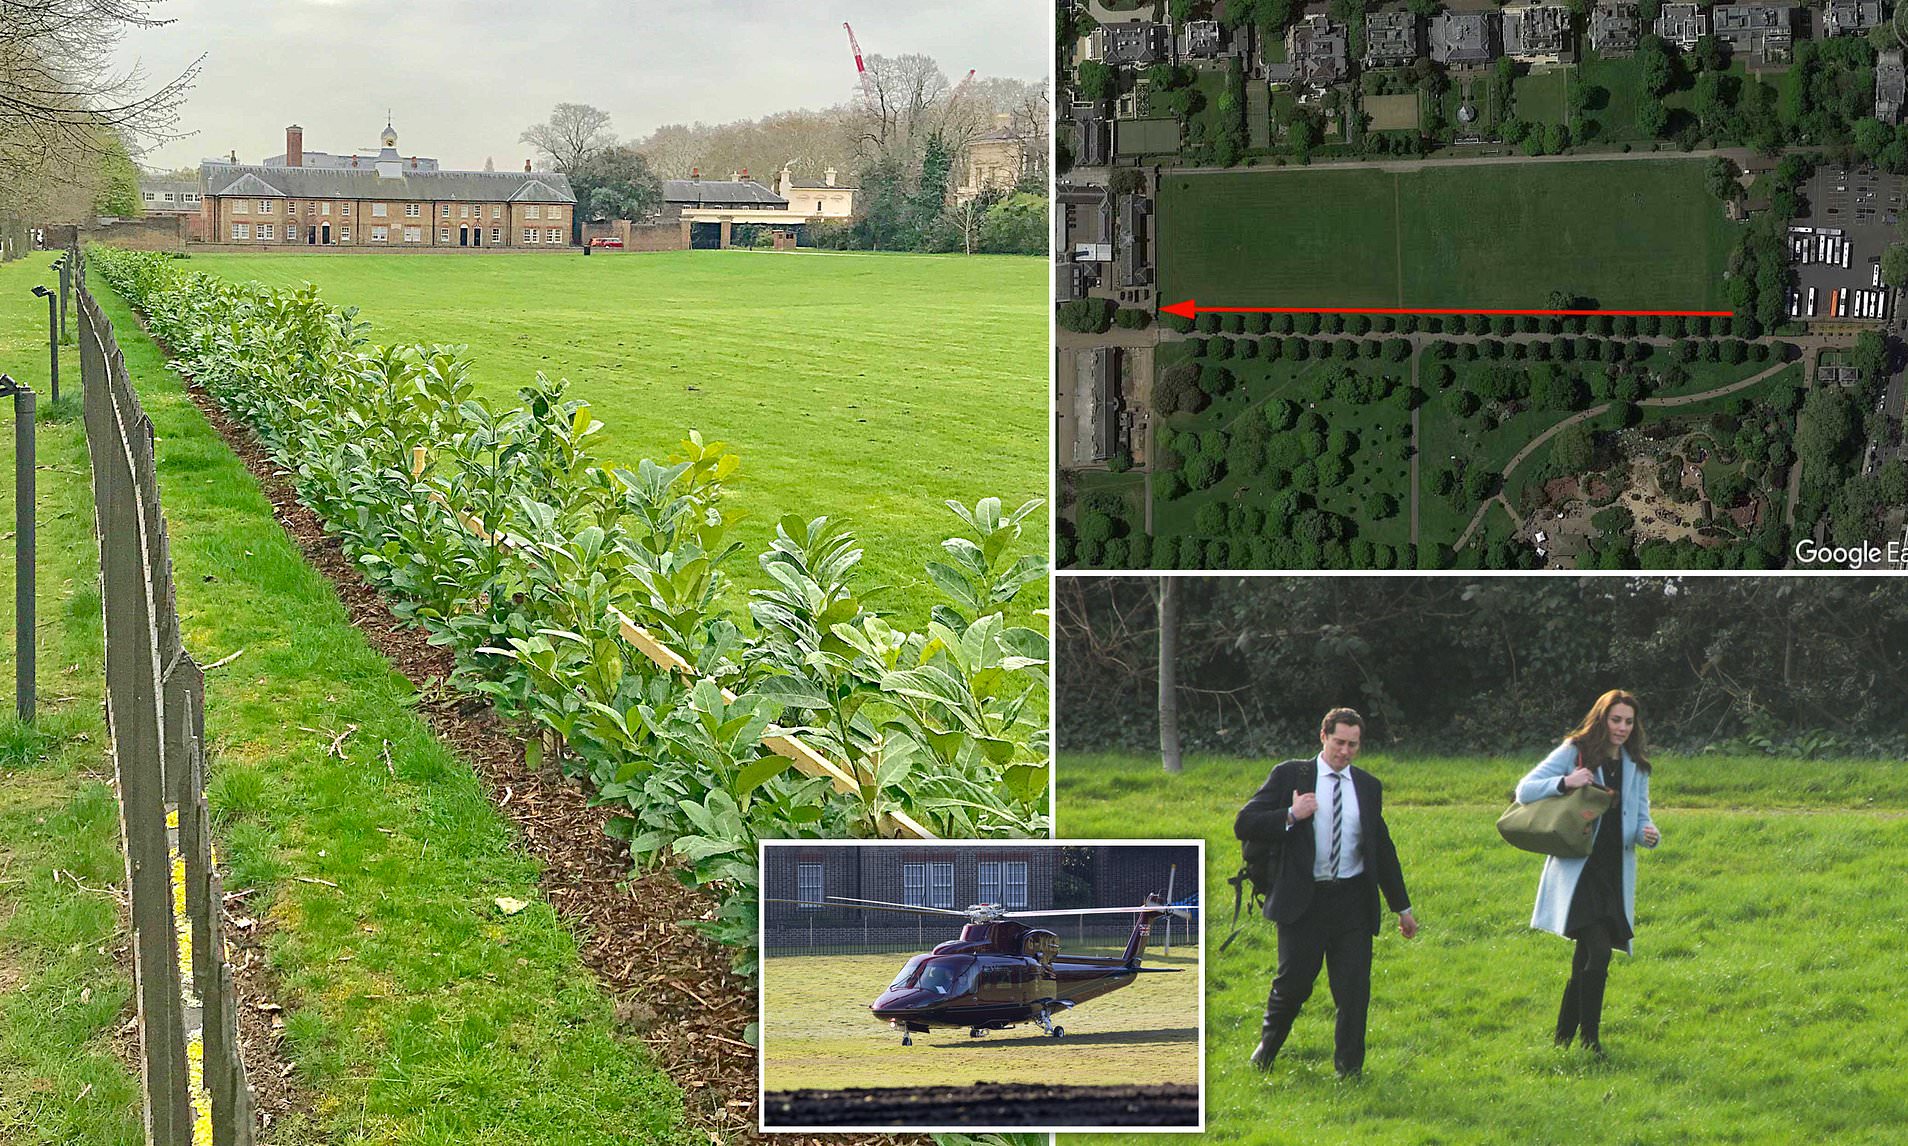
1630 234
1748 1013
1540 96
871 387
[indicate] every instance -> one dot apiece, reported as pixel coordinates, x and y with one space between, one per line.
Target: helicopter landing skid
1045 1019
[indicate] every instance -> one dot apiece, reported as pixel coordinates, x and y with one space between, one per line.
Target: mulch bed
674 988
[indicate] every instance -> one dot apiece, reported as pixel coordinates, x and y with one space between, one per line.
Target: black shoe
1264 1055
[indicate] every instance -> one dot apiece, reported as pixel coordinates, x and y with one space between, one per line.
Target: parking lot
1836 247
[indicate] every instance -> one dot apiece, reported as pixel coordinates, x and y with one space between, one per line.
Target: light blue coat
1559 881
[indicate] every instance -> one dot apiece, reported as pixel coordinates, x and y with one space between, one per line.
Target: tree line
1486 664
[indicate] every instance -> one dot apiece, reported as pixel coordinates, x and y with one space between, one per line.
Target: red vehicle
610 242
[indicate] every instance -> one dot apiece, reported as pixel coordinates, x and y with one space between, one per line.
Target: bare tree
572 131
63 109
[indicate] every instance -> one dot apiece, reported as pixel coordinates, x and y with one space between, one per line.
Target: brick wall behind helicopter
879 872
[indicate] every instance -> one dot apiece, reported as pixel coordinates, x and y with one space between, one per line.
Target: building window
496 212
344 209
238 206
530 234
264 206
808 885
380 234
1004 883
444 211
344 234
532 212
168 196
241 231
496 234
265 231
324 208
379 210
413 234
1016 873
443 234
927 884
553 235
463 211
291 206
411 210
147 196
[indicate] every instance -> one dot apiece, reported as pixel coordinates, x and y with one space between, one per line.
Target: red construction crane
861 67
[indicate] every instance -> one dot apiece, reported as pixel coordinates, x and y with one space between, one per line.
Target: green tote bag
1563 826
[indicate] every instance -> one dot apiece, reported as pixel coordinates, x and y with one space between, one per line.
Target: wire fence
1080 935
196 1093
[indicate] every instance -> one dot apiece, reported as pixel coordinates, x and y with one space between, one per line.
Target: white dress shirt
1350 861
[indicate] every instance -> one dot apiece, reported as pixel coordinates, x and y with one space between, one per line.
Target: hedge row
946 725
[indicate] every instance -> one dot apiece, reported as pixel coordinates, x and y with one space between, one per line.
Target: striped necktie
1338 818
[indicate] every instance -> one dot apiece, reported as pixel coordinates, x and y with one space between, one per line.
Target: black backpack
1260 870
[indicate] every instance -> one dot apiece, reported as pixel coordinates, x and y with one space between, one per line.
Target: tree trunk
1168 598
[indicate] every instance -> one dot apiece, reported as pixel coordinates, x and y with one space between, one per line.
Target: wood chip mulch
673 988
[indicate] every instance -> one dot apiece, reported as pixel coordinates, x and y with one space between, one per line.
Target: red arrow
1189 309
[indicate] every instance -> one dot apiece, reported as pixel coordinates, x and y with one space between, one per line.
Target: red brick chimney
526 165
294 146
695 173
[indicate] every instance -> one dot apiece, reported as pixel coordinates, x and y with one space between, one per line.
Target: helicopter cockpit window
906 977
943 976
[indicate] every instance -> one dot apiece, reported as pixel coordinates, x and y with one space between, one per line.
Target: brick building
797 881
383 201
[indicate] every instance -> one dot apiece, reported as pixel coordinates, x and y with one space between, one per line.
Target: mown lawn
1754 1010
415 1012
817 1031
1488 236
871 387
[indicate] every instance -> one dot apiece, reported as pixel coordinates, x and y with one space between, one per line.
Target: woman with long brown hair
1593 899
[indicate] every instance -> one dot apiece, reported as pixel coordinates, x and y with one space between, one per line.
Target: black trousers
1334 932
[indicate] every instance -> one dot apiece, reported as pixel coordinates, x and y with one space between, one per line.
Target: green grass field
1634 234
817 1032
1540 96
63 992
401 984
871 387
1757 1008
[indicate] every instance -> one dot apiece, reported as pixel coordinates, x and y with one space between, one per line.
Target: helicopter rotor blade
879 905
1160 908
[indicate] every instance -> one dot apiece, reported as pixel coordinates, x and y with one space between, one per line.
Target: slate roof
259 181
1462 37
720 193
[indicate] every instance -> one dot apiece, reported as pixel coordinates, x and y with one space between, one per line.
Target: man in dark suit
1324 821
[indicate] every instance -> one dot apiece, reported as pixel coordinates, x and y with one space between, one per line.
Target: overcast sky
462 78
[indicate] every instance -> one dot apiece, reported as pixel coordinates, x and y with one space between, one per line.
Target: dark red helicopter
1002 972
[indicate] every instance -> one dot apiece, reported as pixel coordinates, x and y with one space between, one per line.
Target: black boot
1590 1008
1271 1038
1567 1013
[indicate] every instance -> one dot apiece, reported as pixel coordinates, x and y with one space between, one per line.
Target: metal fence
1078 935
196 1091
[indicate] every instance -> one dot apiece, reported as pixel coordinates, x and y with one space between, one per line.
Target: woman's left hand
1651 837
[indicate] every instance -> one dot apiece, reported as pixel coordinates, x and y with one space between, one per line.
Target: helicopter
1002 972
